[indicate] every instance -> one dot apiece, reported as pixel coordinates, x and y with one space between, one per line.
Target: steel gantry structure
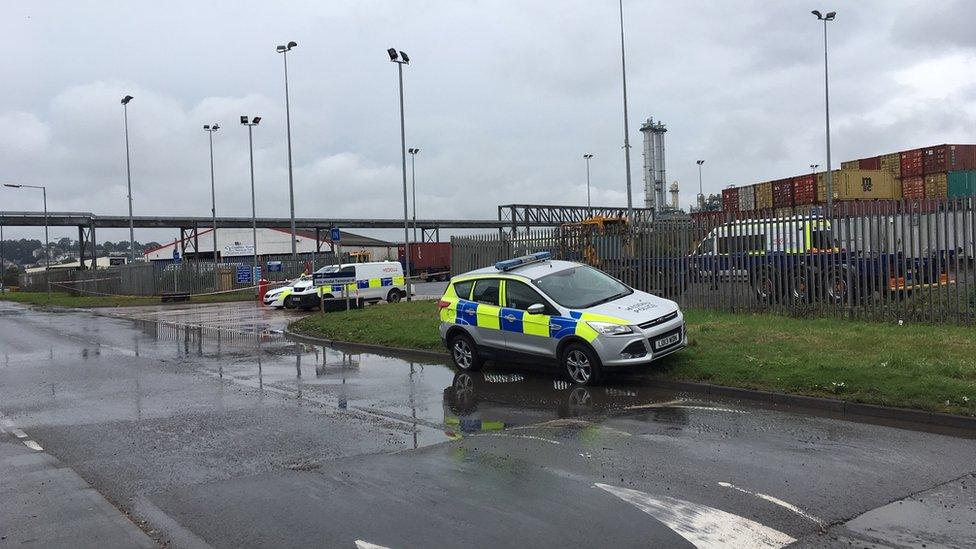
527 216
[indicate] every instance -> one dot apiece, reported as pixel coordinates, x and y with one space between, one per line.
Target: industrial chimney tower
654 174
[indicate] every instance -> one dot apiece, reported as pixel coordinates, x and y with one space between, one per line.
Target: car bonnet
635 308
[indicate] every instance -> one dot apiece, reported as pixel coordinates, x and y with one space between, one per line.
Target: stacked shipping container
929 172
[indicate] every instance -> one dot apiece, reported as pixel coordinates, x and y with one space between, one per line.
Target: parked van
369 282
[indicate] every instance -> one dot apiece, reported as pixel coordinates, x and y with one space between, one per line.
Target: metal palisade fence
910 260
158 278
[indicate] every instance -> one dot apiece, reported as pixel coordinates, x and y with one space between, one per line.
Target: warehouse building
234 244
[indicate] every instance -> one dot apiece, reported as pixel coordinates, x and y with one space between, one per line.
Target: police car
534 307
276 298
370 282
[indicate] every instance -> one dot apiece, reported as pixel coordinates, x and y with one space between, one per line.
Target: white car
276 298
371 282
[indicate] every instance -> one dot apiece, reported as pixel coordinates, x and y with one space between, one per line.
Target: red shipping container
911 163
913 188
948 158
805 189
783 193
430 257
730 199
873 163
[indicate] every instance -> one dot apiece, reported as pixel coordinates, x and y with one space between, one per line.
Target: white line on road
33 445
530 437
360 544
779 502
19 434
702 525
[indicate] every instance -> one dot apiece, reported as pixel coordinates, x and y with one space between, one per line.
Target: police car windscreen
581 287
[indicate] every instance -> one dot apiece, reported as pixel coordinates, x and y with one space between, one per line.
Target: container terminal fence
907 261
160 278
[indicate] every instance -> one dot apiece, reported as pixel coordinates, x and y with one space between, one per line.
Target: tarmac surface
197 426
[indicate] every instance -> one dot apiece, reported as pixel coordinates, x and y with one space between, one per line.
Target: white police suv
534 307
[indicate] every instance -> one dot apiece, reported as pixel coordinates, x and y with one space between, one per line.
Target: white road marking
19 434
33 445
779 502
701 525
360 544
677 404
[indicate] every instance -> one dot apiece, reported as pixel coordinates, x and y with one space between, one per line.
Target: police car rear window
486 290
463 289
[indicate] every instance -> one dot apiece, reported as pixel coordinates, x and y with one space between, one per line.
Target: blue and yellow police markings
364 284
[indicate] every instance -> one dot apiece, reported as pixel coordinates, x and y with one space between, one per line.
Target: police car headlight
608 328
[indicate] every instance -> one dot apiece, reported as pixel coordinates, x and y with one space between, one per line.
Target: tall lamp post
587 157
283 50
413 184
623 70
830 184
254 224
401 59
701 192
813 168
128 176
210 129
47 244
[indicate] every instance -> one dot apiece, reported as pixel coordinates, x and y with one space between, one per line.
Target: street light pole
623 70
413 178
128 176
402 59
701 192
47 242
283 50
830 183
587 157
210 129
254 224
813 168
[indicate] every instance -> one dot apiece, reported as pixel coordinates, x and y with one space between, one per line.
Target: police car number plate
670 340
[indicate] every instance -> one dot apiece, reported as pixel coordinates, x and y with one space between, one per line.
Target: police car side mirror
536 309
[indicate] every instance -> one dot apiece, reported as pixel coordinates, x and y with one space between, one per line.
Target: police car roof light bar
510 264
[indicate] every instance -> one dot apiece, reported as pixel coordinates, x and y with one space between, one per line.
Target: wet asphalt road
209 428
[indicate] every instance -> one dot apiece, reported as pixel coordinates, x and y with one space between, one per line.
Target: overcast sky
502 98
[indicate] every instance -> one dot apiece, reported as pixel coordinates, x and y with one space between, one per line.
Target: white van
371 282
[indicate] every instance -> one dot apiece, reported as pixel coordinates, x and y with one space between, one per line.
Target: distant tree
11 275
65 243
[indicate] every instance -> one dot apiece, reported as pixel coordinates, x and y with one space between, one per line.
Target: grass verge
913 366
63 299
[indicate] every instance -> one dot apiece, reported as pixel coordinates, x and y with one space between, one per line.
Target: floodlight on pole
401 59
254 223
587 157
47 242
291 178
128 176
413 184
701 192
210 129
829 178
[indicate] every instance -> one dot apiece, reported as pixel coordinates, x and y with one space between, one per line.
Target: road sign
275 267
176 256
257 273
335 234
243 274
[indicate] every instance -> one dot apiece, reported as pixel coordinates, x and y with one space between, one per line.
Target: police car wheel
580 364
290 303
464 354
394 296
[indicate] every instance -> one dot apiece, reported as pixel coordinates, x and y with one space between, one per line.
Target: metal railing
910 260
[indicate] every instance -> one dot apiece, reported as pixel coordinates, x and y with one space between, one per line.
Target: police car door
487 311
524 332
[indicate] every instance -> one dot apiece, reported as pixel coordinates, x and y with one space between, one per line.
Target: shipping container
962 184
936 185
891 163
873 163
911 163
822 185
730 199
948 158
866 185
805 189
747 198
782 193
764 195
428 259
850 165
913 188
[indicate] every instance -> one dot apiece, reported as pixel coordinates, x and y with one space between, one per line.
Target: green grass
915 366
62 299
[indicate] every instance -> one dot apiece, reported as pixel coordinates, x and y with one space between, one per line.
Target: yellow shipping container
868 185
850 165
936 185
764 195
859 185
892 163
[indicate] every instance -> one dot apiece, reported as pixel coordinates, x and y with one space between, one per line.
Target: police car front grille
634 350
660 320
